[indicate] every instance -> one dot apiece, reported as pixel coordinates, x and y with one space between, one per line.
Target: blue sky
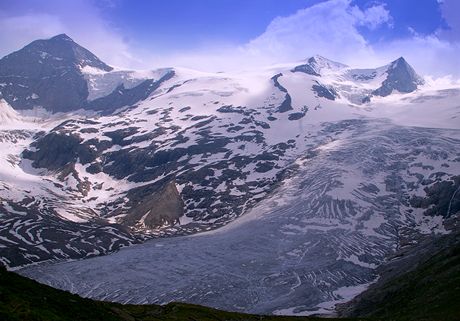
183 24
179 24
231 34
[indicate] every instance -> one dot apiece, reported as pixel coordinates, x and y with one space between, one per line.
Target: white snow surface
101 83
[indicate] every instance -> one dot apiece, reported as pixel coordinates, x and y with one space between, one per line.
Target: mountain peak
401 77
400 62
315 59
58 58
61 36
317 65
322 62
59 51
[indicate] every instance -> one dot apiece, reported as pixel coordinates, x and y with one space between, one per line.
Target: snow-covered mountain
59 75
360 85
345 165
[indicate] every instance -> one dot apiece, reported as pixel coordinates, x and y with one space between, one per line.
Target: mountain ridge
56 75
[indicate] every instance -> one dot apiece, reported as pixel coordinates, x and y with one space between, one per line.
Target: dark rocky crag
401 77
161 207
48 73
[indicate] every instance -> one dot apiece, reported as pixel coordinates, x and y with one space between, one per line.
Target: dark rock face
401 77
364 77
163 206
286 104
307 69
277 84
442 198
47 73
296 116
54 151
57 150
324 91
418 282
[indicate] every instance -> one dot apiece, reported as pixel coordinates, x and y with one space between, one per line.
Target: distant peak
402 64
317 58
318 65
400 76
400 61
319 62
62 36
58 51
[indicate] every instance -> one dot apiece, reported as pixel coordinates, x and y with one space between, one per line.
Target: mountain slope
314 241
203 132
419 283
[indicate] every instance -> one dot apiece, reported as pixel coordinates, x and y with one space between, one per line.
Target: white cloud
372 17
328 29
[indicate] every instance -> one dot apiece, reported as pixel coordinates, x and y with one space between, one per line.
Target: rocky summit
299 180
51 74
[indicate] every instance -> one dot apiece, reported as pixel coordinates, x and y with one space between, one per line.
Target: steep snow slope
102 83
359 86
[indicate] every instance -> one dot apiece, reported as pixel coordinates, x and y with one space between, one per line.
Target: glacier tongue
315 241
